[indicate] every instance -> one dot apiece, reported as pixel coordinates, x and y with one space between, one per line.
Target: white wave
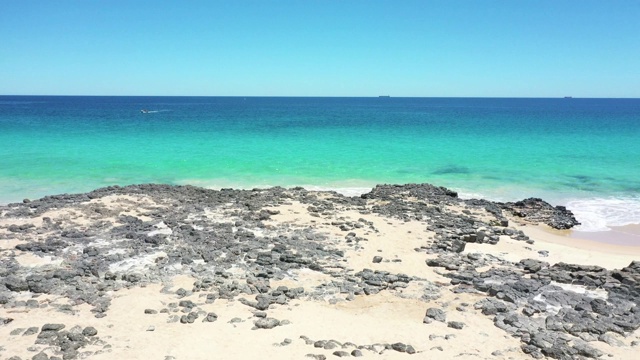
595 213
465 195
600 214
346 191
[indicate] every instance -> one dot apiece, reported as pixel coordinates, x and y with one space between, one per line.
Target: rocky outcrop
536 210
226 239
555 310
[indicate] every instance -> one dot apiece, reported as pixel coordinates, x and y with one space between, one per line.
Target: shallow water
582 153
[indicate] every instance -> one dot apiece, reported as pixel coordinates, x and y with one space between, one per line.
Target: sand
628 235
128 333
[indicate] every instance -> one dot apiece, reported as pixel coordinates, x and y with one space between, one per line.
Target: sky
424 48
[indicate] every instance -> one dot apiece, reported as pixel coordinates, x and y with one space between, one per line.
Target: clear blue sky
525 48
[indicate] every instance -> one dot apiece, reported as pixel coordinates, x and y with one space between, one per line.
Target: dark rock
492 306
40 356
316 356
14 283
455 325
211 317
532 265
458 245
266 323
52 327
436 314
70 354
600 306
89 331
522 299
400 347
187 304
329 345
76 337
31 331
611 340
341 353
410 350
189 318
109 276
132 277
585 350
536 211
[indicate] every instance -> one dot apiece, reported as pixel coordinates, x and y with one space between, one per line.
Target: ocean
582 153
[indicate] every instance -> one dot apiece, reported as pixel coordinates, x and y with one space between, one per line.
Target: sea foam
594 213
600 214
346 191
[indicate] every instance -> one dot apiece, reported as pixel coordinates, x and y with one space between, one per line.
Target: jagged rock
436 314
400 347
536 210
532 265
522 298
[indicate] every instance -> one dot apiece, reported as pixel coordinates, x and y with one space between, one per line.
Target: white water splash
600 214
346 191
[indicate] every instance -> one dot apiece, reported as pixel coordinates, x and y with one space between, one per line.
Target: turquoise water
584 153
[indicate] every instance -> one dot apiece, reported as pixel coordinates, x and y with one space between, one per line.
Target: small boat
144 111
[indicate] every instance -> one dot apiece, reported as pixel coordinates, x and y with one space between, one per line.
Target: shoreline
628 235
589 251
139 271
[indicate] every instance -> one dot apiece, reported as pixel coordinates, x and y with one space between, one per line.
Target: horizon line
336 96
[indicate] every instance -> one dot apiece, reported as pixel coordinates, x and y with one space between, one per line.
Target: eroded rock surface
86 246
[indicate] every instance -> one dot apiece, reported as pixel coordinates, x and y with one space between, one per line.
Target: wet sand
628 235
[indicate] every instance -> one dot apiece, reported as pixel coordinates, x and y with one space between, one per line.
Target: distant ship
384 96
568 97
